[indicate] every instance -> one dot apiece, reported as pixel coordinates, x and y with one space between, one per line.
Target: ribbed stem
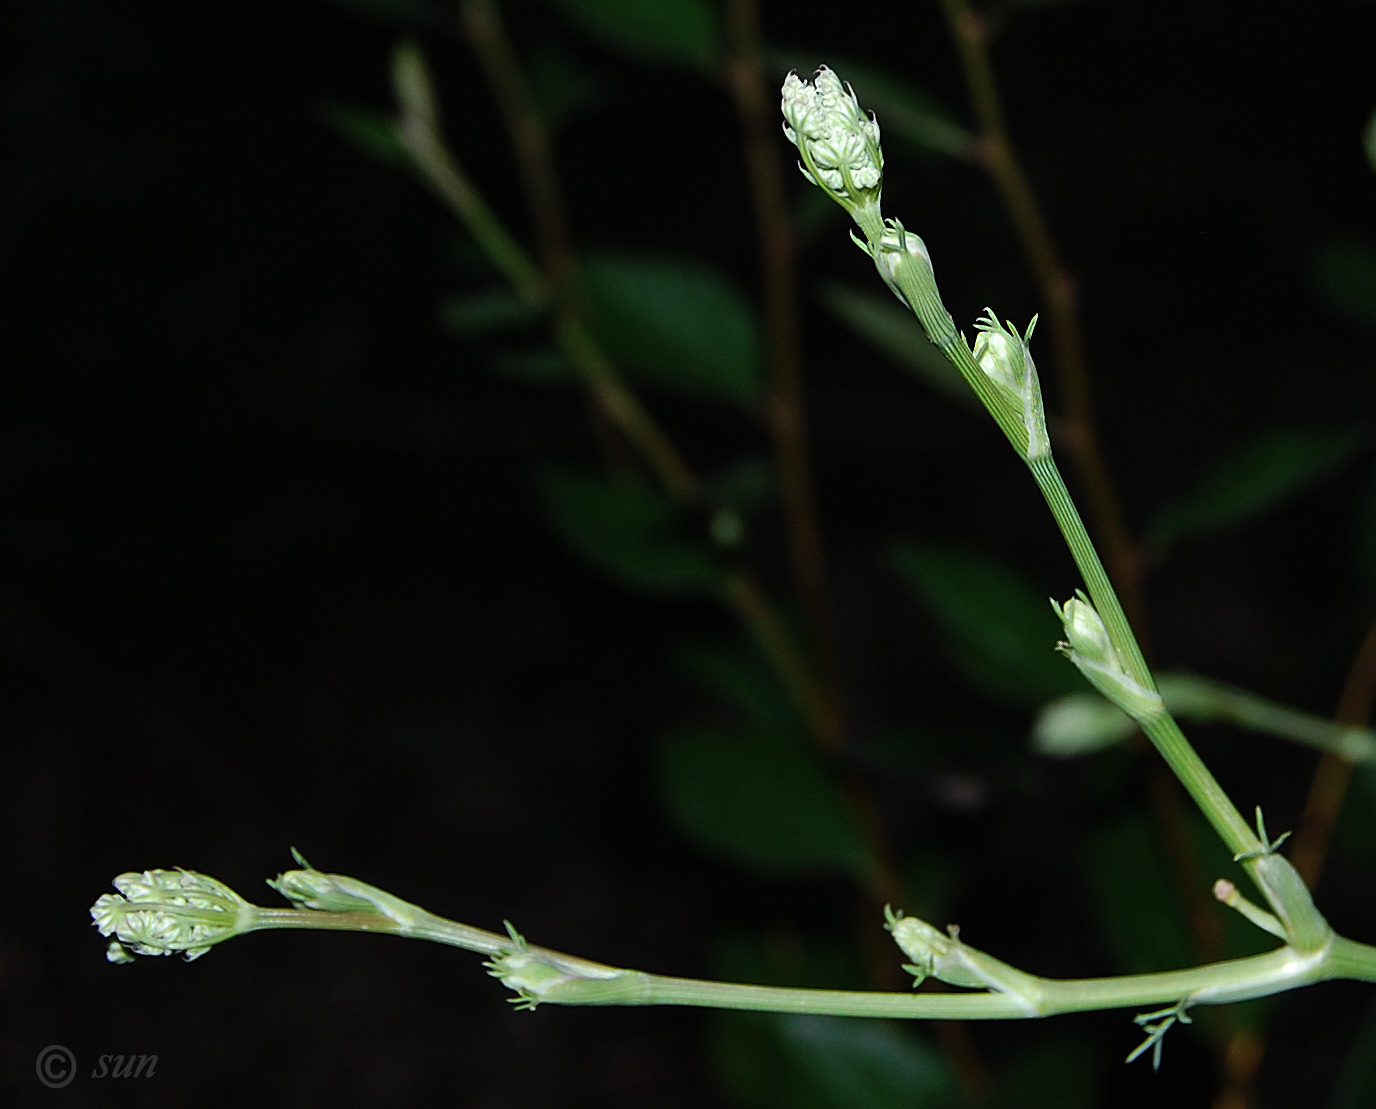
590 983
1101 590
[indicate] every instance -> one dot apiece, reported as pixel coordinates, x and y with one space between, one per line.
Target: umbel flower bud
167 912
838 143
1088 646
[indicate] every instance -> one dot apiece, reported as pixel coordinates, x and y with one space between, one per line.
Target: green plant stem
997 155
1275 877
994 150
1203 699
1160 727
1189 768
1101 591
583 982
911 274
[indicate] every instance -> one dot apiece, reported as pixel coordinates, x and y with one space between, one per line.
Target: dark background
272 571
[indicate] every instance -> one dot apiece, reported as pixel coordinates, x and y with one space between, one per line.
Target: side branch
164 912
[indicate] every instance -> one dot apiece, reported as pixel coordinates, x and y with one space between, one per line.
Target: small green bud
1086 632
1001 359
898 247
164 912
1006 359
934 954
838 143
537 975
943 956
1088 646
336 893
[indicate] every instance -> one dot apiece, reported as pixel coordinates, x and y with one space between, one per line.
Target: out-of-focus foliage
675 322
1251 479
1000 631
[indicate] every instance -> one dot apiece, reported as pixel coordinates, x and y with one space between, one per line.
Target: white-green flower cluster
1006 359
838 143
1088 646
167 912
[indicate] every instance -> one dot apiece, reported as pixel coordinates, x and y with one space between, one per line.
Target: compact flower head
838 143
166 912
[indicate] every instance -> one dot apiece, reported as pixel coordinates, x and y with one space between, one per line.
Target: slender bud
838 143
934 954
1000 358
943 956
1229 894
166 912
538 975
1088 646
1086 632
1006 359
309 888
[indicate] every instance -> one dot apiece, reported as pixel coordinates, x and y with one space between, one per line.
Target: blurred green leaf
563 83
760 800
1356 1085
628 531
685 32
372 133
740 677
745 485
807 1062
1136 903
536 366
1079 724
1345 274
950 744
1000 629
893 330
487 312
675 322
1252 478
